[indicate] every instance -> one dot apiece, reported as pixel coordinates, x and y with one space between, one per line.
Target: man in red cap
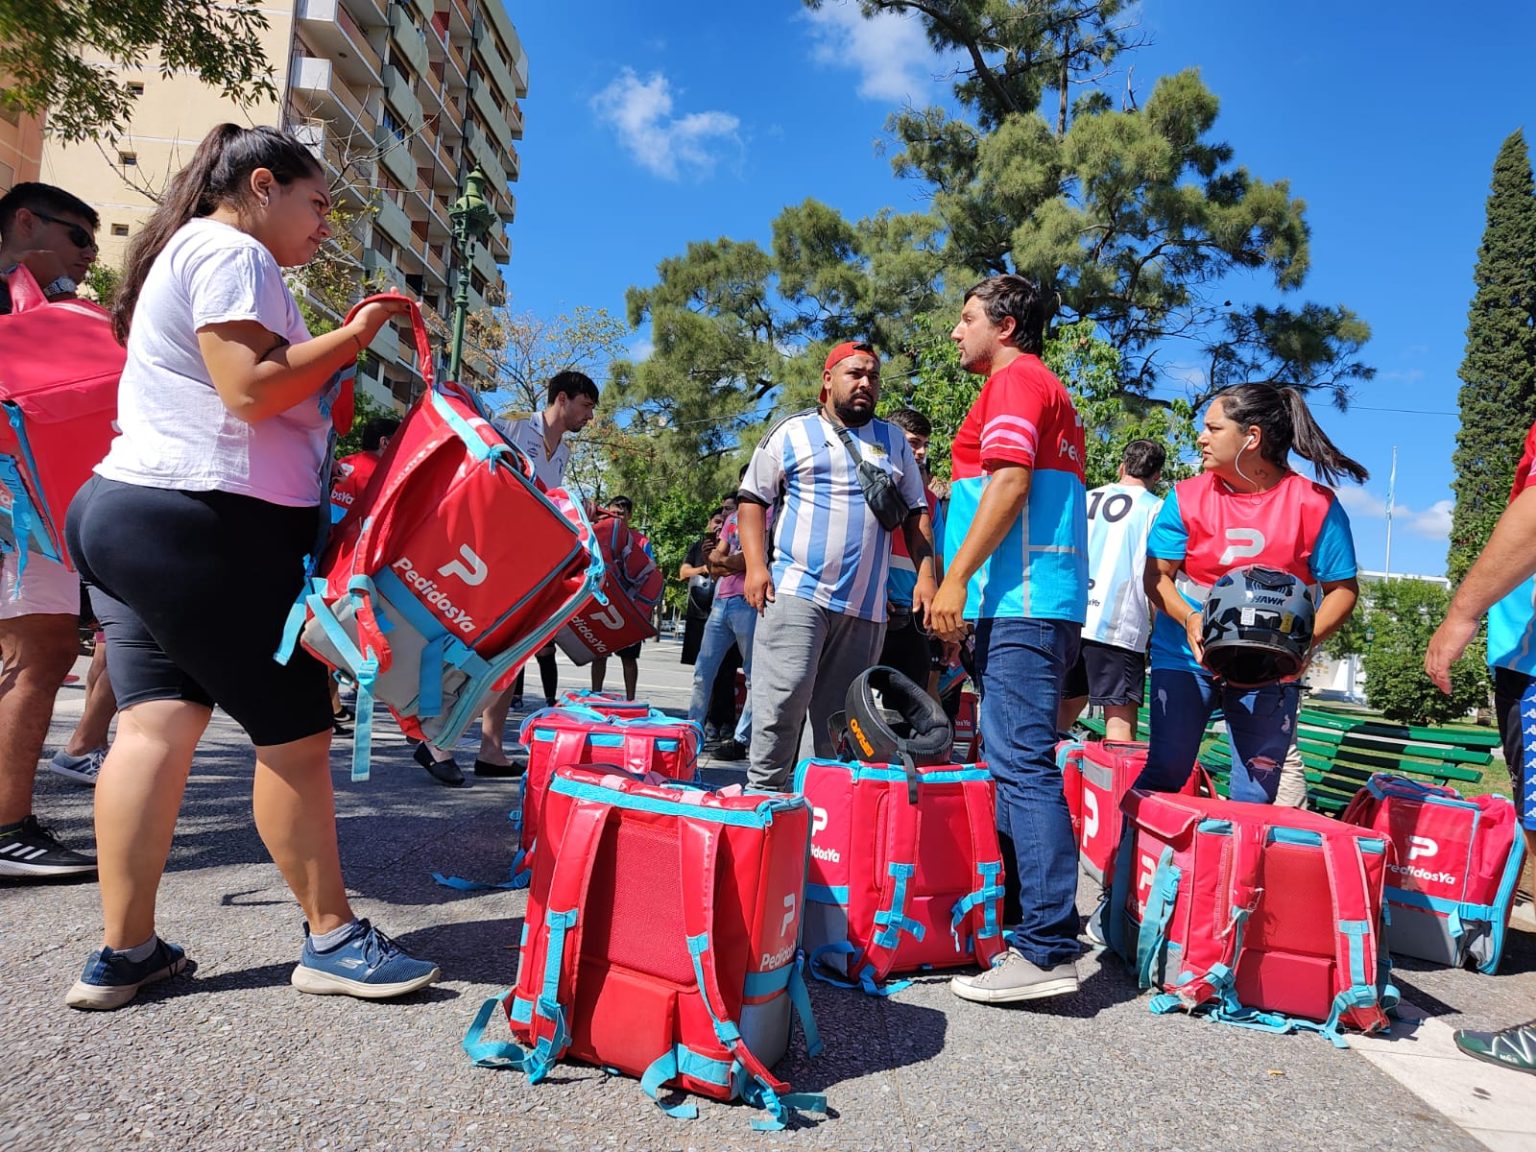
843 482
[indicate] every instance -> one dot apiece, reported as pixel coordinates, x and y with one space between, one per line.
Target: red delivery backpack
451 569
608 703
1264 916
906 872
1096 775
1452 886
653 743
631 588
662 939
59 369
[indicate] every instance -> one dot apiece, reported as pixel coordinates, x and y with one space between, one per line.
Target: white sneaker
1013 978
81 769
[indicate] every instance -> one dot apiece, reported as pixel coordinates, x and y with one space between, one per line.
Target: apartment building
21 146
400 98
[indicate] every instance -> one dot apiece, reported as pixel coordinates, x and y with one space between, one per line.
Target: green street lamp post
472 217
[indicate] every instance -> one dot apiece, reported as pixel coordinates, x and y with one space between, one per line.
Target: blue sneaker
110 979
367 964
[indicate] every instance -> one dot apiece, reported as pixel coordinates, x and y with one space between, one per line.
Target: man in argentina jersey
1112 665
822 601
1016 559
1500 584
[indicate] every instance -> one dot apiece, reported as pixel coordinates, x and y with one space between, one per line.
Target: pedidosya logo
434 595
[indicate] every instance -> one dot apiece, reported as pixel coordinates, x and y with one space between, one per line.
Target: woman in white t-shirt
192 537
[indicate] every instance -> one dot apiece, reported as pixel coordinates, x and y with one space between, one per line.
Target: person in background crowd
81 757
570 402
906 646
1246 507
224 410
629 657
53 235
355 471
731 627
694 572
1111 665
1016 565
823 598
1500 584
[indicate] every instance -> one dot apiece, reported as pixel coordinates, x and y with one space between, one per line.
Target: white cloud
642 349
890 51
640 112
1433 523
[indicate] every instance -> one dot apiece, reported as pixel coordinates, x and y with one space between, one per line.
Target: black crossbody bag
878 486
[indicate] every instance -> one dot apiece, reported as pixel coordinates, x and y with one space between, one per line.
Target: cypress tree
1498 371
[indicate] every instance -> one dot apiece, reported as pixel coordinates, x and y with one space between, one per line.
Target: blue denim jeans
1260 725
1021 664
731 621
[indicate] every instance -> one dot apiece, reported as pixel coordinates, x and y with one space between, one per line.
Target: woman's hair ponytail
218 174
1286 421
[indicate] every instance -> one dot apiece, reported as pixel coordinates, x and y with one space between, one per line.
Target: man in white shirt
1112 663
571 400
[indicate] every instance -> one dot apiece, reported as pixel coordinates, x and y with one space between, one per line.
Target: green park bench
1341 751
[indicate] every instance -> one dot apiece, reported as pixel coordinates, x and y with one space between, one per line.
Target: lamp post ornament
472 217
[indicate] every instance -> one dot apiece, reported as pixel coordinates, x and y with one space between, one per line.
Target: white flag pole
1391 497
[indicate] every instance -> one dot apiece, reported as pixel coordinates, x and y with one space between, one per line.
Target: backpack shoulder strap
902 835
981 909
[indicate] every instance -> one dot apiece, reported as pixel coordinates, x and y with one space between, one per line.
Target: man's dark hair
43 198
911 420
731 496
377 429
1143 459
571 383
1005 296
623 503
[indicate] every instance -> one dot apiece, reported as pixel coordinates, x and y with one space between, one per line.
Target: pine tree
1498 372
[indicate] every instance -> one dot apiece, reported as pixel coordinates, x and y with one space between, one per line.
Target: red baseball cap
846 349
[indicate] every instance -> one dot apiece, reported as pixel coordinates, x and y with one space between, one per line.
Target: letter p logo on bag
470 568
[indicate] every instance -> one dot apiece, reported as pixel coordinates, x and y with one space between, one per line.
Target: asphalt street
234 1058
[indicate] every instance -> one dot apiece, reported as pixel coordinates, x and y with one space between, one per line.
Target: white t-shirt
1119 519
174 431
528 434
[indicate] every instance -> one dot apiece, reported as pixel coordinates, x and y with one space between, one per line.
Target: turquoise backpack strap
903 815
1152 940
699 850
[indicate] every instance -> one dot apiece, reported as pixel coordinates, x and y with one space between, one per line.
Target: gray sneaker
1013 978
81 769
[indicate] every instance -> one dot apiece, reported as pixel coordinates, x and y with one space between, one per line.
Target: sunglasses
78 236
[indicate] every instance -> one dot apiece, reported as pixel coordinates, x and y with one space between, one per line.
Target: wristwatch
63 286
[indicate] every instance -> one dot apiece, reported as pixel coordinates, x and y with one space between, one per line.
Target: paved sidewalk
235 1058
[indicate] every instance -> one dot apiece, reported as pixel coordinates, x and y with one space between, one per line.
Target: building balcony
488 58
484 99
370 13
514 114
333 30
396 158
324 95
394 222
410 40
452 124
397 91
461 22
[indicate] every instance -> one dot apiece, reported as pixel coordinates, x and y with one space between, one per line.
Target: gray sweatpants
803 659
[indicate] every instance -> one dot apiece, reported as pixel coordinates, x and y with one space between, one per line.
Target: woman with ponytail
1246 507
192 537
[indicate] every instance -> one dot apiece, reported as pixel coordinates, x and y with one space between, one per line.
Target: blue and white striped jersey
828 547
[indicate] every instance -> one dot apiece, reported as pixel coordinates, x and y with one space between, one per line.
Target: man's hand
759 587
946 610
1445 648
922 599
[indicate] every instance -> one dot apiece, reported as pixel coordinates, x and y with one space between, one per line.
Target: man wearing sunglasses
54 235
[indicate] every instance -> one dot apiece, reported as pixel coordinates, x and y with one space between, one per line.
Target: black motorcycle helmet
1257 626
889 719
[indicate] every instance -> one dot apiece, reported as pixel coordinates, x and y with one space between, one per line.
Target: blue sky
650 125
